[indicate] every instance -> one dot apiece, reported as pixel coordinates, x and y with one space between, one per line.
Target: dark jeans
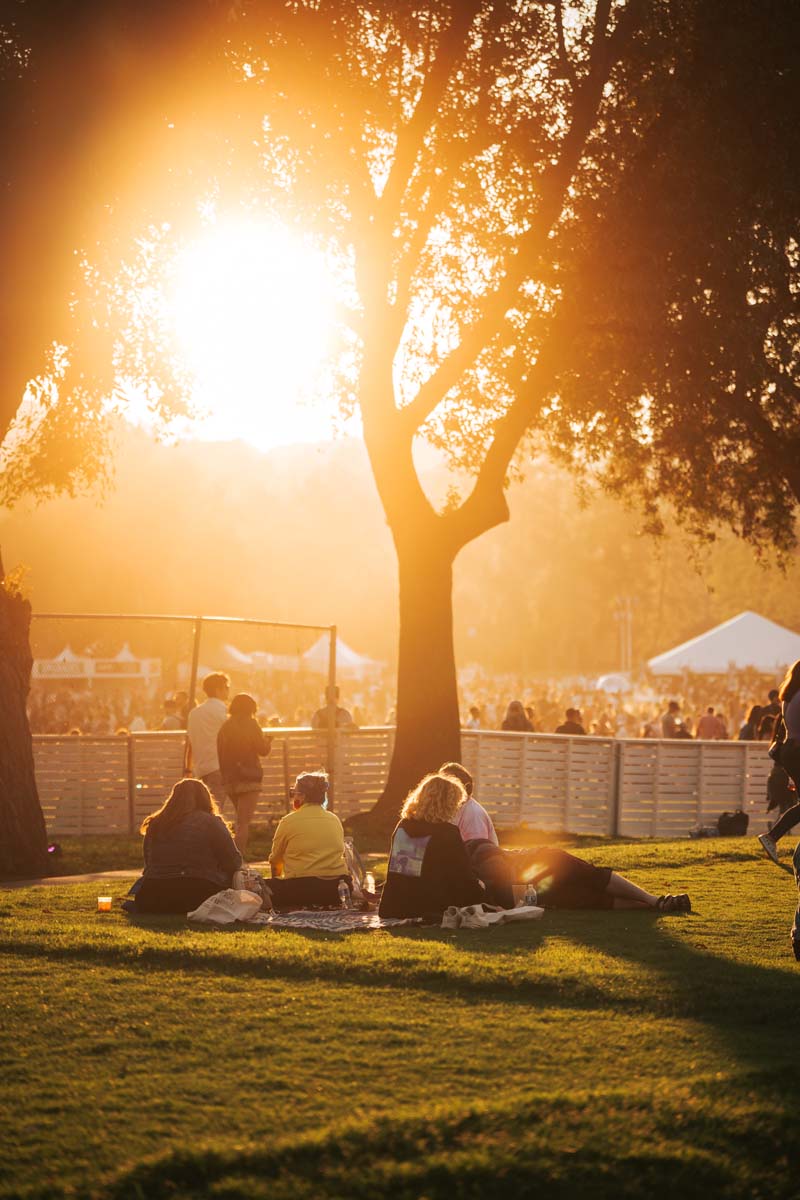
561 879
179 895
790 761
306 891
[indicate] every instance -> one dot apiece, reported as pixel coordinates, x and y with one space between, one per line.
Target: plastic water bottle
344 894
369 883
530 897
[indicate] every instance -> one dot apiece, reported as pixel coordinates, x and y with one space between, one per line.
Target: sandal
674 904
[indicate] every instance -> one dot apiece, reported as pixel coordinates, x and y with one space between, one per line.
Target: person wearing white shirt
203 725
472 819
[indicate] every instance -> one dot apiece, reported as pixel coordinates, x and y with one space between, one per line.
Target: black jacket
428 871
240 744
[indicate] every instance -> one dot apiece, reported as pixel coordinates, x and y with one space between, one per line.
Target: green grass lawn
588 1055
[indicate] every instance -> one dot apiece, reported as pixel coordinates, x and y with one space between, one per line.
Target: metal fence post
332 706
616 789
198 628
131 785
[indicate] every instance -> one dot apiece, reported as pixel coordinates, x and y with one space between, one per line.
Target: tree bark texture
23 837
428 726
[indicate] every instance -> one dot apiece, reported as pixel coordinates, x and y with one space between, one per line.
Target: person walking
788 757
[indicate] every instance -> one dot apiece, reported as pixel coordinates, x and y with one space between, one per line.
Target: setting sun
252 311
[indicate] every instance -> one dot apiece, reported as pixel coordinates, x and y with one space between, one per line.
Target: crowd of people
738 707
444 852
119 709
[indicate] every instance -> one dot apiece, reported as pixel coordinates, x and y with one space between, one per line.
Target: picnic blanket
340 920
235 905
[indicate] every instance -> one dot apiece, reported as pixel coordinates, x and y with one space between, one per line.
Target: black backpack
733 824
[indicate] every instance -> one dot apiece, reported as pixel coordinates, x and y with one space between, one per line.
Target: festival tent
233 657
748 640
348 661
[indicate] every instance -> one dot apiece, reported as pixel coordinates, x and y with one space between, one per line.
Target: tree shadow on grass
560 1146
751 1008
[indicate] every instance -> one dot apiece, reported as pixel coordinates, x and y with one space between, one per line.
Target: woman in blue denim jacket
189 853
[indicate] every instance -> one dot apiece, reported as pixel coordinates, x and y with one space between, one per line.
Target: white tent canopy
748 640
348 661
232 656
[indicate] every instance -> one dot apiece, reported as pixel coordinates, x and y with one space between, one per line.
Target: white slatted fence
637 788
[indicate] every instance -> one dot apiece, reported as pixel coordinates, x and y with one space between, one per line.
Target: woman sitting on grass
307 855
189 853
428 865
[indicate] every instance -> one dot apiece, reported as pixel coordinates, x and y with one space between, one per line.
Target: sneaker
683 903
770 846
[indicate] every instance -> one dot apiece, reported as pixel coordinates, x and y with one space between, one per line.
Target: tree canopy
570 225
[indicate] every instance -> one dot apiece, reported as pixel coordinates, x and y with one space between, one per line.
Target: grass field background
591 1054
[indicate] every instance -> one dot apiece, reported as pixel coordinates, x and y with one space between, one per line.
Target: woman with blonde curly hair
428 865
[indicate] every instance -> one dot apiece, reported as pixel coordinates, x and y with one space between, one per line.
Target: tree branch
554 188
563 58
486 505
411 137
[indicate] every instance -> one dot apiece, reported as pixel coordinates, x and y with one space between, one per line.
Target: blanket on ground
340 920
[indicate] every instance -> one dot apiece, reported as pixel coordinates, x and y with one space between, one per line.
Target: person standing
788 757
240 744
710 727
203 725
749 731
171 720
671 723
515 720
344 719
572 725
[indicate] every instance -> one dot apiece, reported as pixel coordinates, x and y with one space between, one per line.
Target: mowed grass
589 1054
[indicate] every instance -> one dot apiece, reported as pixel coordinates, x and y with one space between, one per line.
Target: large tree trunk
23 838
428 727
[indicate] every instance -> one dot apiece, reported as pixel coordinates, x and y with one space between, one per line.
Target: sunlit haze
252 308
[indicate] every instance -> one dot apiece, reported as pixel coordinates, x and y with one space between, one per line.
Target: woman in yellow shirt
307 855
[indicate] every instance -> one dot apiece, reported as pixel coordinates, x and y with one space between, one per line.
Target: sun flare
252 308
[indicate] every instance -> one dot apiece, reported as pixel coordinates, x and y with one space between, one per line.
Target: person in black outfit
749 731
515 720
240 744
561 880
428 865
189 853
572 724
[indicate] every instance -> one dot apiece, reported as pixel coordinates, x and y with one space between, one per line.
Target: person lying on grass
560 879
189 853
307 855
